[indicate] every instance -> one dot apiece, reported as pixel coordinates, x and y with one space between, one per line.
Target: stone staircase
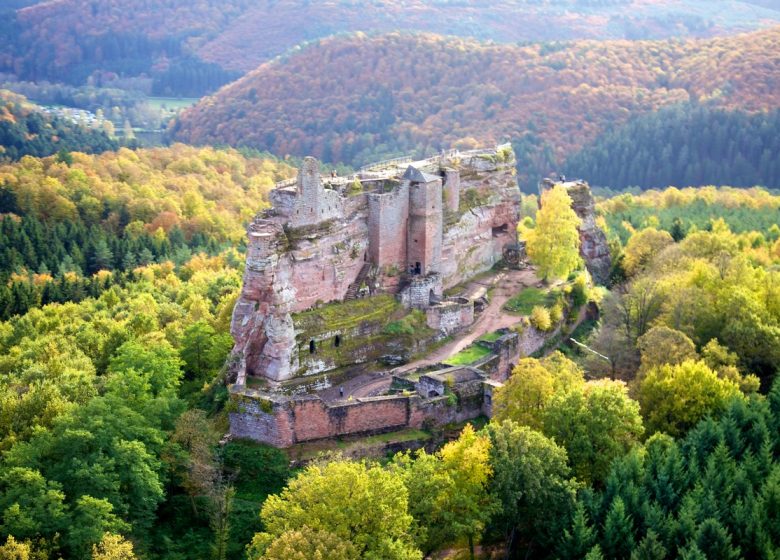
354 288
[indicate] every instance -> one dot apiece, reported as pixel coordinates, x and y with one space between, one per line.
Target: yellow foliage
553 245
200 189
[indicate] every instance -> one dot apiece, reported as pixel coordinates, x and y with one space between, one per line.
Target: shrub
540 318
556 314
579 291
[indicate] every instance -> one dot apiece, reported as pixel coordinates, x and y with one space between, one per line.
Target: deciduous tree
553 245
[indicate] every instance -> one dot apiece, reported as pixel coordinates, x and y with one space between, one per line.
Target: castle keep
409 229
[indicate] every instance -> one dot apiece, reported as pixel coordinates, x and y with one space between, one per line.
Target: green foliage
553 244
524 302
448 496
702 146
330 497
258 470
642 247
410 324
25 131
596 423
712 494
468 355
204 351
540 318
533 485
533 382
674 398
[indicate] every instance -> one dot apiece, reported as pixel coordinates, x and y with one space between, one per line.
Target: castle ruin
411 229
347 278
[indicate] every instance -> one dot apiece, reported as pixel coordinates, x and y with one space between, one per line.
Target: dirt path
505 285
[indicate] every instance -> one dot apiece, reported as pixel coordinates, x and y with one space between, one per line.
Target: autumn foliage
357 98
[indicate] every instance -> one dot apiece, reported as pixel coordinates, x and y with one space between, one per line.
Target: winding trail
505 285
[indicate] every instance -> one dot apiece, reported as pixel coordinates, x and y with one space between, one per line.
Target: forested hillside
356 99
72 229
26 131
112 409
190 48
112 396
684 146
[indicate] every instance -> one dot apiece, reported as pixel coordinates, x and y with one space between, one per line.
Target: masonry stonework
325 240
401 232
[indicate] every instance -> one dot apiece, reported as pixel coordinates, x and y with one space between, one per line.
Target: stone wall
313 203
388 215
450 316
448 395
424 239
452 189
419 289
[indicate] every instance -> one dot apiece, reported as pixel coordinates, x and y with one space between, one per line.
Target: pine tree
650 548
618 541
580 538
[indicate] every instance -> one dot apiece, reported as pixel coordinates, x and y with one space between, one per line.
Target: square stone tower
424 239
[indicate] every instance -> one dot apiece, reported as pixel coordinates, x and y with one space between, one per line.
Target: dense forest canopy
359 98
191 48
113 398
684 146
71 229
647 431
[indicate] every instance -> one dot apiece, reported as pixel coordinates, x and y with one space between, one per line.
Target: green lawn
467 356
490 337
524 302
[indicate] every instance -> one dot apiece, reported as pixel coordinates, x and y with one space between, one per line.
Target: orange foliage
351 98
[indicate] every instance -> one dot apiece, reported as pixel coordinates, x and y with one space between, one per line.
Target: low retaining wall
285 422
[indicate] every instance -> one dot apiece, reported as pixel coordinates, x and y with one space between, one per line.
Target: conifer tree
618 531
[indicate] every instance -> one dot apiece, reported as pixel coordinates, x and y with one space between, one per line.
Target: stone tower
308 207
425 222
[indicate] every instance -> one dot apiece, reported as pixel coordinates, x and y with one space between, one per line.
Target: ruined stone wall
417 293
313 203
488 198
452 189
285 422
266 423
388 215
450 316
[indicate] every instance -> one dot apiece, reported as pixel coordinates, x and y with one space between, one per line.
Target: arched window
337 341
312 346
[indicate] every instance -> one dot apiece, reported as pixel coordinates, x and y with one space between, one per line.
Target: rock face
394 226
593 242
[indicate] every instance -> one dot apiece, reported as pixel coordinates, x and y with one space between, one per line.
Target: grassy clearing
524 302
467 356
344 315
490 337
